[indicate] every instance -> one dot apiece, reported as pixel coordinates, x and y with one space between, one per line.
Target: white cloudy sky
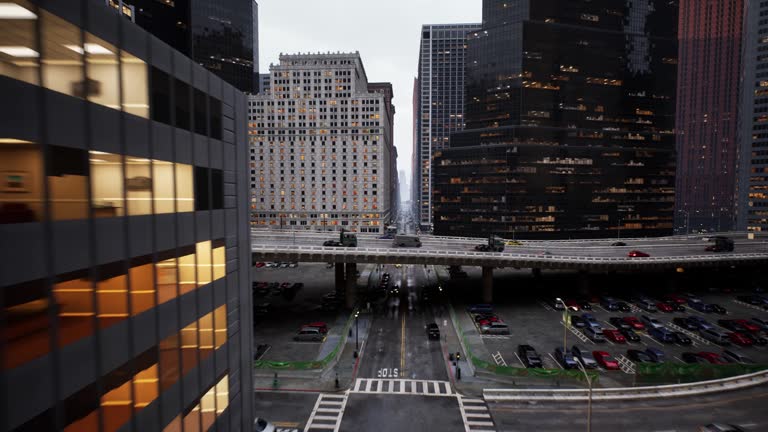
386 32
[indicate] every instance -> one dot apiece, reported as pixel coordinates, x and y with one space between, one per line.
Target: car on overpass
638 254
402 240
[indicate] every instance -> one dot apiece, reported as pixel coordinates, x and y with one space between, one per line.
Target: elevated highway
666 253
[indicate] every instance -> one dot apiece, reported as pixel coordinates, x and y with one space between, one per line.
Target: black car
685 323
639 356
529 356
716 308
630 335
618 243
690 357
619 323
578 321
677 307
624 307
731 325
433 331
681 338
585 305
756 339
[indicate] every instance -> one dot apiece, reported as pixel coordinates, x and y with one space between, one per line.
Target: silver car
495 328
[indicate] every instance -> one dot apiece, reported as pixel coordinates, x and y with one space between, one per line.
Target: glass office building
221 35
124 288
570 115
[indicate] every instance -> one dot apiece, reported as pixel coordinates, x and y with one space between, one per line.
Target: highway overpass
666 253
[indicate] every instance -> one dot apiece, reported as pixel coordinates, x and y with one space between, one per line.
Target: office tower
440 103
321 147
263 83
569 123
386 89
221 35
125 298
710 33
752 188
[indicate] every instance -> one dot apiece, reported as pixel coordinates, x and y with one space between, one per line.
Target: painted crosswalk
328 411
403 386
475 415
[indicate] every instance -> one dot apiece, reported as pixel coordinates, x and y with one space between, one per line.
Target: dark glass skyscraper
570 120
221 35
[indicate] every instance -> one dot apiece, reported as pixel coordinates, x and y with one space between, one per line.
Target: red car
259 265
663 307
740 339
572 305
614 336
637 254
676 298
711 357
634 322
748 325
605 360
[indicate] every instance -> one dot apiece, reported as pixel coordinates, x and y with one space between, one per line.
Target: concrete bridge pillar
351 280
340 287
487 284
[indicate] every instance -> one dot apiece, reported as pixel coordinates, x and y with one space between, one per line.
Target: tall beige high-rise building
321 147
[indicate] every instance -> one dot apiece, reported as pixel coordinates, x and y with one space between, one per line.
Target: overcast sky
386 32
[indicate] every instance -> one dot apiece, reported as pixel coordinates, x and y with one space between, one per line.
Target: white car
261 425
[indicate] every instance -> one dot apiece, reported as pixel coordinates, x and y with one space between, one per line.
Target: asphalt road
402 413
744 408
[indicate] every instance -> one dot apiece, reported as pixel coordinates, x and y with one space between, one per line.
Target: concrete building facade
321 147
125 297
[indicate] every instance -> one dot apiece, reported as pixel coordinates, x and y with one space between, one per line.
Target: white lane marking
520 360
327 422
555 360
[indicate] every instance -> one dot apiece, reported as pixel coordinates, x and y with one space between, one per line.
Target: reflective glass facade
221 35
570 120
707 106
123 220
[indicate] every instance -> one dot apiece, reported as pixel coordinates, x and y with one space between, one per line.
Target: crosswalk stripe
357 384
368 385
473 415
479 423
402 386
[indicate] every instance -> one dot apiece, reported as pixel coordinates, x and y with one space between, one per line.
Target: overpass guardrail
631 393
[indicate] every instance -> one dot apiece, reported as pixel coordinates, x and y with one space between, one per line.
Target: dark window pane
217 186
200 113
202 191
215 107
161 96
182 97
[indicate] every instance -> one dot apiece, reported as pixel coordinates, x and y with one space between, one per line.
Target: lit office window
135 85
62 57
18 55
21 184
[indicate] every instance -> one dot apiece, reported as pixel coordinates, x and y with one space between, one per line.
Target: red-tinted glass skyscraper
710 33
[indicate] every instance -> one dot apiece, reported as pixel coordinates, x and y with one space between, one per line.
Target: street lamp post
565 323
357 330
589 395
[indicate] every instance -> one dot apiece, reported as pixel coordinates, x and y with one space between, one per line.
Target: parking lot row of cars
283 265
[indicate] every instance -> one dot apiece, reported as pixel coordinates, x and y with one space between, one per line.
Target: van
406 241
700 306
662 335
594 334
309 334
609 303
715 336
647 305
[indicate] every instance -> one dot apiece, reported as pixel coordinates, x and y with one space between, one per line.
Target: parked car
578 321
665 307
619 323
594 334
529 356
557 304
630 335
651 322
701 323
433 331
715 336
761 322
605 360
662 335
676 307
748 325
656 355
721 427
736 357
609 303
685 323
754 300
711 357
755 338
572 305
740 339
689 357
584 305
614 336
639 356
682 339
309 334
323 327
716 308
259 265
700 306
637 254
675 298
585 356
731 325
618 243
634 322
565 359
624 307
498 328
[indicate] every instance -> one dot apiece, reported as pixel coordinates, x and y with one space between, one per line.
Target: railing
629 393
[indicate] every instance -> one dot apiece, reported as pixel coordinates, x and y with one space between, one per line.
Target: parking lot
281 312
526 304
